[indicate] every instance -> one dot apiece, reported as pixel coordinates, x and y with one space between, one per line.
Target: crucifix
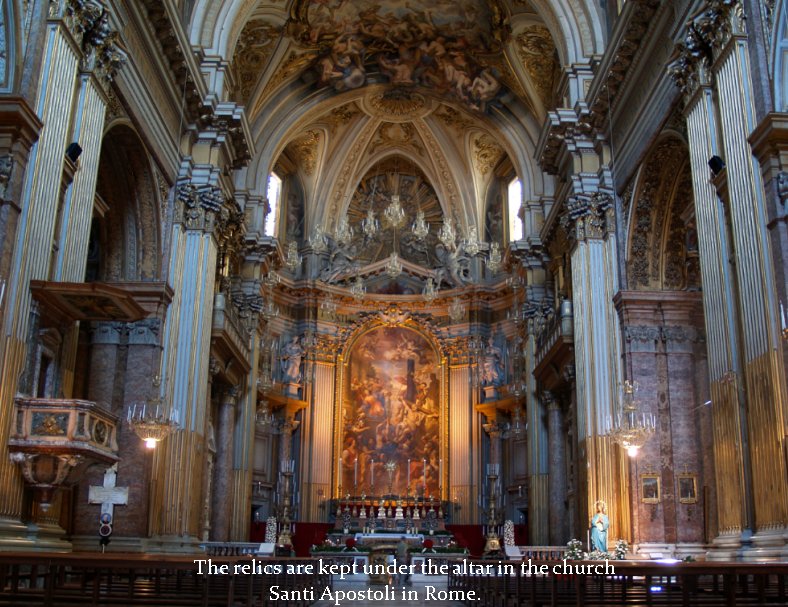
109 495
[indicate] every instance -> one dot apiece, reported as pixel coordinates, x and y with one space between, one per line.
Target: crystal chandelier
149 420
369 224
329 308
472 244
456 310
420 227
270 310
359 289
630 428
318 240
264 417
344 232
430 292
393 266
293 259
394 213
494 260
446 234
517 427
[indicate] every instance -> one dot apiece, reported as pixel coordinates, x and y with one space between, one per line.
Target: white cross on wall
109 495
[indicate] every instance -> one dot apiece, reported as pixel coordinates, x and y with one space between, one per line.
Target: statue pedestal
489 393
293 390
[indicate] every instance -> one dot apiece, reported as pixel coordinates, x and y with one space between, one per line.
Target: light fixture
149 420
631 428
318 241
394 214
472 244
344 232
359 289
369 224
264 417
420 227
494 260
456 310
446 234
329 308
429 290
393 266
293 259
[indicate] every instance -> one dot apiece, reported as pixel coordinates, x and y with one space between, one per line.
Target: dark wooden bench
52 580
634 583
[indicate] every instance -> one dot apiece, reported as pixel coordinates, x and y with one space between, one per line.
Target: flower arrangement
270 530
574 550
428 546
597 555
622 546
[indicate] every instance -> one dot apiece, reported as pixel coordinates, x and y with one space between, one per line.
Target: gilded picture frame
688 488
650 488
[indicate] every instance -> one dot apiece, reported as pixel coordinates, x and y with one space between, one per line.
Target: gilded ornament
255 46
305 149
537 52
487 153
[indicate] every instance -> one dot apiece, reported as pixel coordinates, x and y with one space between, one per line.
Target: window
515 199
274 194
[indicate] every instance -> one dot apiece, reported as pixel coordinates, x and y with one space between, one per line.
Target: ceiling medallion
397 104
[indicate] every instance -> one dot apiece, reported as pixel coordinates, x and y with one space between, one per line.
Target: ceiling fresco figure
446 46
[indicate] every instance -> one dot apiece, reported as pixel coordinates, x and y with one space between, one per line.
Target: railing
227 321
558 326
594 583
229 548
51 579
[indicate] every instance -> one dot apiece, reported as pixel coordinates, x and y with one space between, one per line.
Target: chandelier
359 289
472 244
264 417
630 428
149 420
344 232
430 293
494 260
318 240
456 310
329 308
394 213
446 234
369 224
393 266
293 259
420 227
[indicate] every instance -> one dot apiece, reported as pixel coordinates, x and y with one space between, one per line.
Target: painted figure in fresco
599 526
492 373
393 397
290 360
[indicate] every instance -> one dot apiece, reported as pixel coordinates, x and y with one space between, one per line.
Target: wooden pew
634 583
131 579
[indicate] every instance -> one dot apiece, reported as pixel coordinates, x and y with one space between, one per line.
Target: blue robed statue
599 525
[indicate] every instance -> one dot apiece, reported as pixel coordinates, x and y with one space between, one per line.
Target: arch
392 395
126 234
8 45
661 254
780 57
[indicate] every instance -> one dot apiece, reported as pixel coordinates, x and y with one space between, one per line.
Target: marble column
36 225
556 447
465 440
763 366
222 494
603 469
177 495
317 440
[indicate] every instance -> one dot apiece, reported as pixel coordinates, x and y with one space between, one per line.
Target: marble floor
424 589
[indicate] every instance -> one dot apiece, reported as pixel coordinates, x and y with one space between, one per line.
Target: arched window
780 59
515 200
274 195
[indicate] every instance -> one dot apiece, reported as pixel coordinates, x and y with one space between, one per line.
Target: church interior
484 272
